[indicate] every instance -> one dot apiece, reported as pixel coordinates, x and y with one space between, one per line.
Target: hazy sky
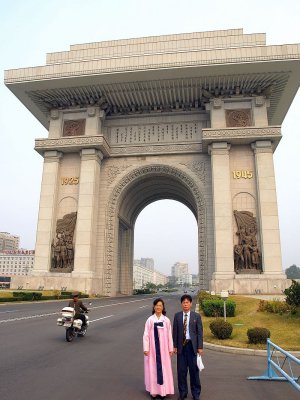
29 29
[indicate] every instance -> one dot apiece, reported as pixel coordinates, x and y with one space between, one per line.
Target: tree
293 294
293 272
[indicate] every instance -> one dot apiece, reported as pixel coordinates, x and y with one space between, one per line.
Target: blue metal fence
287 361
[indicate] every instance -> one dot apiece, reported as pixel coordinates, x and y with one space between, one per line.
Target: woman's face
158 308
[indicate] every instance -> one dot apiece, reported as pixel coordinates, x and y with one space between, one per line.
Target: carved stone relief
247 255
111 215
74 127
62 247
236 118
199 168
113 171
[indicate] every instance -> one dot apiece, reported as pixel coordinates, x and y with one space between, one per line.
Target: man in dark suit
188 342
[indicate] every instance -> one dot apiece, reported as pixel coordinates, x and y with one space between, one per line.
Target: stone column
47 212
86 225
222 208
267 208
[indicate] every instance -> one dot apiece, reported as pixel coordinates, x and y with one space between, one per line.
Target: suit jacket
195 329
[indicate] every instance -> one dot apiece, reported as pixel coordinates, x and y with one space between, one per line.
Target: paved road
37 363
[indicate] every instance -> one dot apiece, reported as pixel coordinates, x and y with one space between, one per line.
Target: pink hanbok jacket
166 346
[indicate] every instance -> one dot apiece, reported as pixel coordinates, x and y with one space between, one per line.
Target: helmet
75 294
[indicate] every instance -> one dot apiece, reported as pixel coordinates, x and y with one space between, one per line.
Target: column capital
219 148
91 154
262 146
52 156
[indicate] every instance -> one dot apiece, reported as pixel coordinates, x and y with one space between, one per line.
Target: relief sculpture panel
62 247
247 255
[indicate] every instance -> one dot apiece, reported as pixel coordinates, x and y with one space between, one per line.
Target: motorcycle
73 326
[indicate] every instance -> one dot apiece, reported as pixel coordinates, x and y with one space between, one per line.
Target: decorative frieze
72 144
241 135
176 148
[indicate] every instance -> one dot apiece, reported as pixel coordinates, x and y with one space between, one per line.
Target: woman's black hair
164 312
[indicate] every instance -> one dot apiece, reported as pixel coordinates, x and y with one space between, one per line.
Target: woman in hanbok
158 349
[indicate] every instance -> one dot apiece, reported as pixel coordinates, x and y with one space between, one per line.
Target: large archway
130 196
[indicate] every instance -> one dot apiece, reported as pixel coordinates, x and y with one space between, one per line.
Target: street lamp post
224 296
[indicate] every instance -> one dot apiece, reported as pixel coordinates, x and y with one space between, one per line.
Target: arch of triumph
191 117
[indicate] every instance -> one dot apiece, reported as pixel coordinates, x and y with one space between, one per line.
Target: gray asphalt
37 363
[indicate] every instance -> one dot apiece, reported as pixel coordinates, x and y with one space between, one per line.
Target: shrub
258 335
27 296
293 294
215 308
221 329
275 306
206 296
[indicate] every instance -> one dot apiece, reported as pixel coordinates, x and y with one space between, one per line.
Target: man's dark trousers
187 360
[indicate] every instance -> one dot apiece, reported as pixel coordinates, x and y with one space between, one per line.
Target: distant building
159 278
180 273
195 279
144 272
148 263
16 262
8 241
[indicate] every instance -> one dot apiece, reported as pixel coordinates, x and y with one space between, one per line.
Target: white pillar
222 208
267 208
47 212
86 225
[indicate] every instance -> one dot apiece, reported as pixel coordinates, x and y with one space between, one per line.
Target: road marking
6 312
124 302
29 317
98 319
143 306
57 313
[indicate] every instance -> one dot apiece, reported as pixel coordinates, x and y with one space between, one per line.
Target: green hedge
27 296
37 296
203 295
9 299
215 308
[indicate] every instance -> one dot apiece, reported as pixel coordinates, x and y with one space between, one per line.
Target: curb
246 352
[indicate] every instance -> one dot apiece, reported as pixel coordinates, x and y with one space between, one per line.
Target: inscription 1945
245 174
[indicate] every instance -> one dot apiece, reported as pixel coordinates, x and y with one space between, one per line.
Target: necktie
184 328
159 372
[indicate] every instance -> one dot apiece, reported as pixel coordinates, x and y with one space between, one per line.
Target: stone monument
191 117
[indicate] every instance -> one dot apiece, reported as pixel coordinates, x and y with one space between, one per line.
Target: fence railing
283 362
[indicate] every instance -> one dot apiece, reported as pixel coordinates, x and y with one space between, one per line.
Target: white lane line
143 306
98 319
57 313
6 312
29 317
124 302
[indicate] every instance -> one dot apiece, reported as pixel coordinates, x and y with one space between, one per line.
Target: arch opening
167 232
133 194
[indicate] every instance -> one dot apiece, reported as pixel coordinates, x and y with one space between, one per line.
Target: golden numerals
245 174
73 180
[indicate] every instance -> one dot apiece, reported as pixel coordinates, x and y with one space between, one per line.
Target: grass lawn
285 329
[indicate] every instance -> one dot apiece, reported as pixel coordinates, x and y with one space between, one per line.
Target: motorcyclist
79 308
